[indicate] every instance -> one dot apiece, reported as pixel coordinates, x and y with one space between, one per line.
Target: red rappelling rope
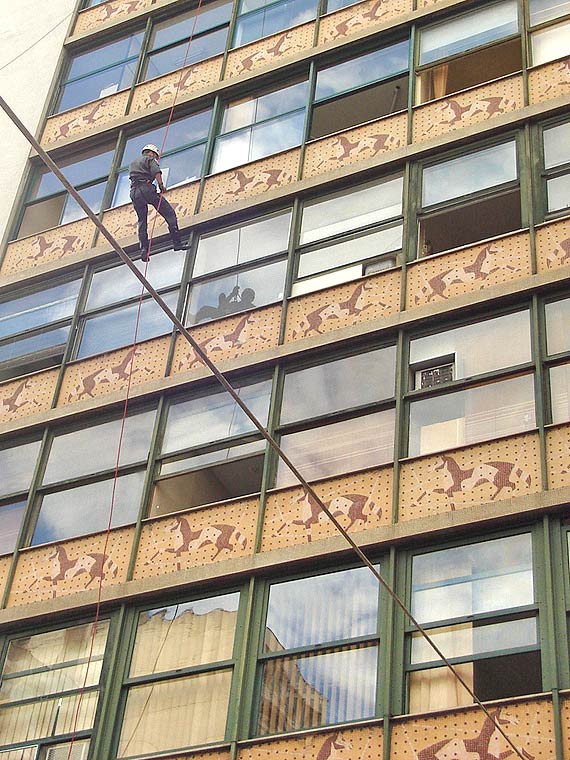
126 404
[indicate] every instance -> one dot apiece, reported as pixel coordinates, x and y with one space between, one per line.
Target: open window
468 50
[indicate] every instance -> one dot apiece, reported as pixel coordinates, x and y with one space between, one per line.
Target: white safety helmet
152 147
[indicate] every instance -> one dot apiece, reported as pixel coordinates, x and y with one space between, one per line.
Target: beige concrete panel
439 278
549 81
71 566
354 145
263 52
345 744
553 245
84 119
467 108
203 756
250 180
163 91
361 16
5 563
469 733
196 538
558 456
228 338
565 720
113 10
479 474
338 307
109 372
359 502
52 245
27 395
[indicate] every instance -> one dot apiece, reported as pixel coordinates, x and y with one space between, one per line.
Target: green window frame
557 358
549 24
555 175
261 18
18 461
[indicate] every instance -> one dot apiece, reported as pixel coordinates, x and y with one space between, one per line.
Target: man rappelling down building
143 172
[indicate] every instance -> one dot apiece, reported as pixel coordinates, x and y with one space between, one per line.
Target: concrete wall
24 84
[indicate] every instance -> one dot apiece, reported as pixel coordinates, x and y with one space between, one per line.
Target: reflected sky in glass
39 308
17 466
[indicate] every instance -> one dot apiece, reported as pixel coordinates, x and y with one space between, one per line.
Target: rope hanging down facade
200 353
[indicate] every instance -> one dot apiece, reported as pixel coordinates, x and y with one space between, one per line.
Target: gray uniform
142 172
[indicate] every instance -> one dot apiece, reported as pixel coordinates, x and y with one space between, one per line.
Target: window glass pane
94 449
97 86
192 23
181 132
550 43
114 329
93 197
280 134
10 521
314 690
105 55
479 27
219 456
193 708
237 292
351 209
558 191
339 384
470 173
560 393
242 113
476 414
362 70
34 352
39 308
59 517
17 466
324 608
482 347
557 321
248 242
231 150
50 717
346 446
95 165
557 145
184 635
281 15
544 10
214 417
335 5
182 55
473 579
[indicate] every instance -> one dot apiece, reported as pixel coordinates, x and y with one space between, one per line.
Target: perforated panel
549 81
203 756
262 53
553 245
110 372
85 119
467 108
211 534
478 267
162 91
346 744
333 308
359 502
469 733
479 474
558 456
228 338
28 395
361 16
52 245
113 10
4 568
354 145
250 180
71 566
565 720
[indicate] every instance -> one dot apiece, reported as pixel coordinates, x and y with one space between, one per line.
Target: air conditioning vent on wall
427 378
61 752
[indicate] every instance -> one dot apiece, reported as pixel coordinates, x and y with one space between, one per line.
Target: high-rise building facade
376 198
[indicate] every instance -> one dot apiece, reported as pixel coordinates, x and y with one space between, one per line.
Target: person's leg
141 209
168 214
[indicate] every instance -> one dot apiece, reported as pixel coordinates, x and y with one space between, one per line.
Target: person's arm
159 182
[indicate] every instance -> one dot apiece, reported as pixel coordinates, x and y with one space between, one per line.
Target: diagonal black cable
309 490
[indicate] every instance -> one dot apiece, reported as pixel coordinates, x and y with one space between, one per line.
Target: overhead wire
33 45
206 361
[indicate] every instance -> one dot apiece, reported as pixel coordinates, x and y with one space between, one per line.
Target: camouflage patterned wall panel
85 119
469 733
565 720
467 108
354 145
549 81
164 91
229 338
558 456
361 16
196 538
250 180
553 245
27 395
216 755
44 247
359 502
71 566
347 744
344 305
495 471
113 10
122 222
438 278
5 563
265 52
109 372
